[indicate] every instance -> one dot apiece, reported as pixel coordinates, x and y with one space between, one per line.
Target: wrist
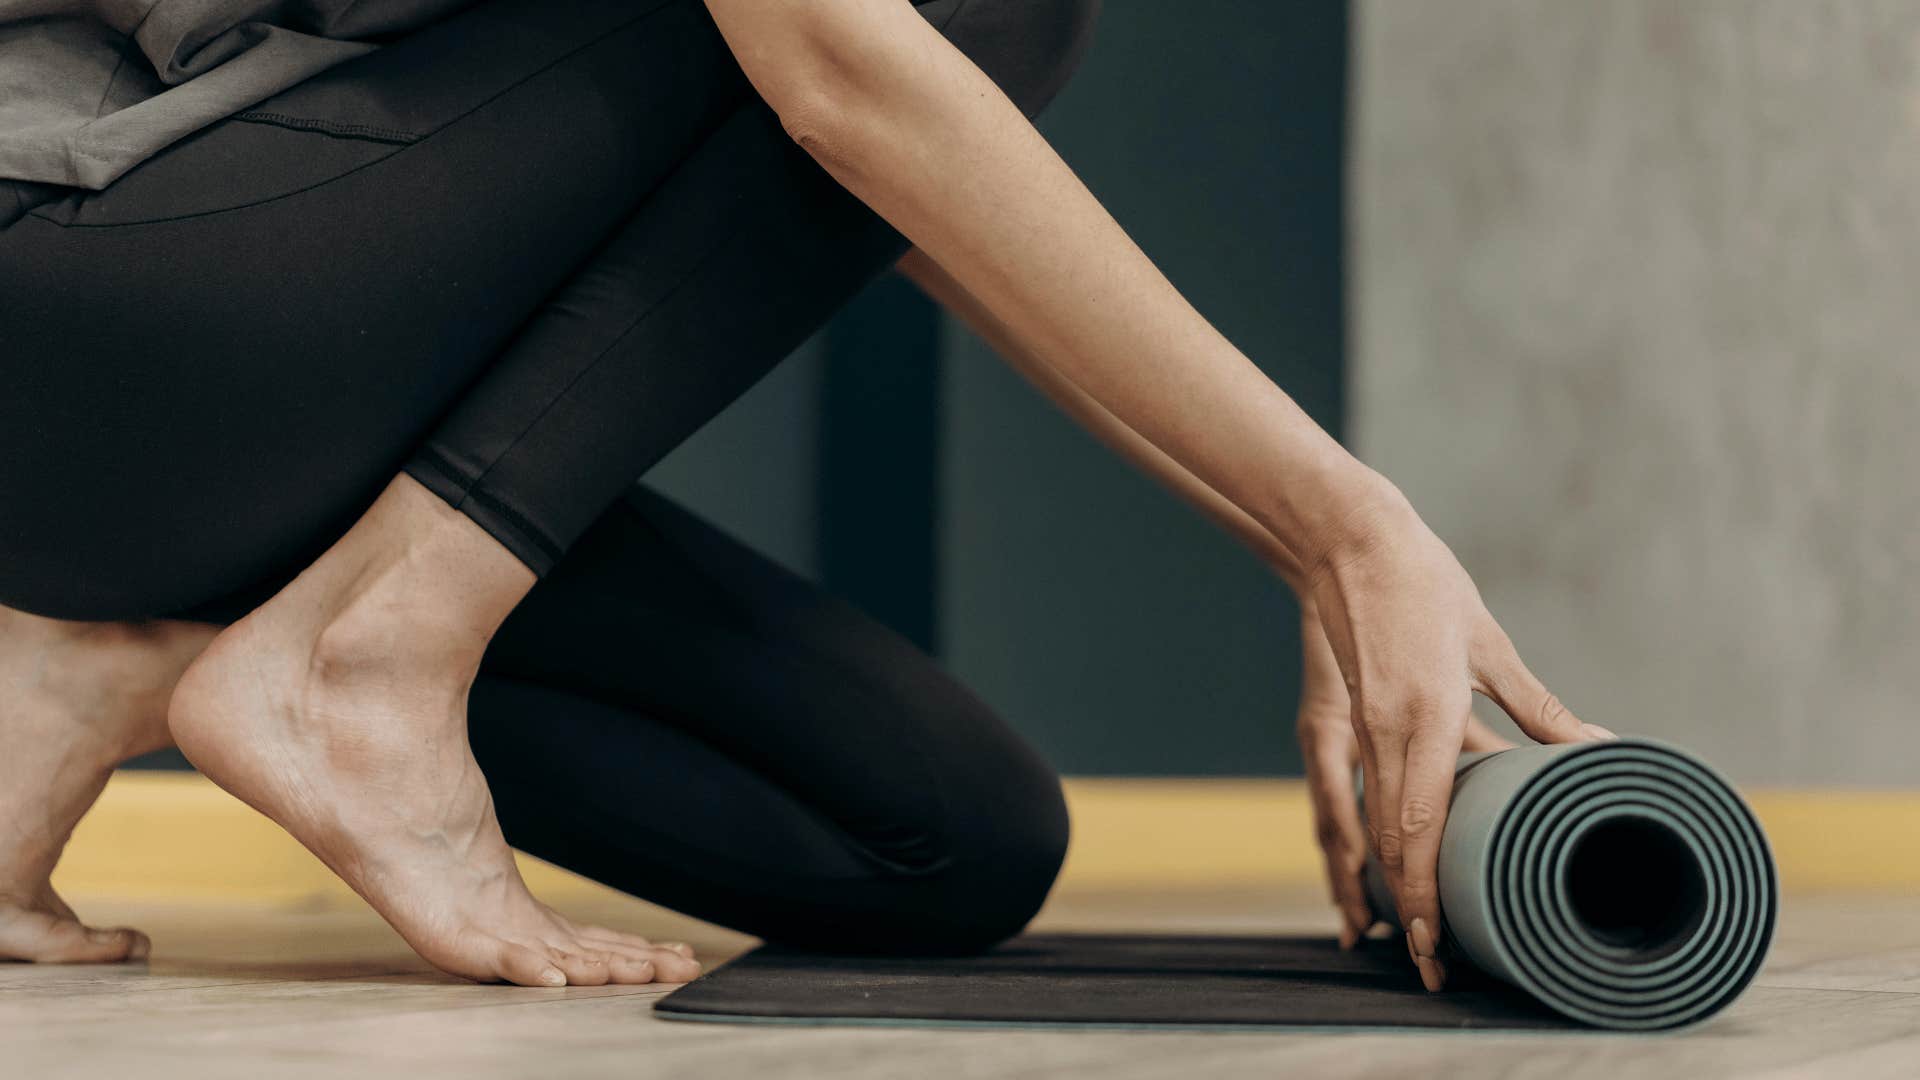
1326 514
1367 523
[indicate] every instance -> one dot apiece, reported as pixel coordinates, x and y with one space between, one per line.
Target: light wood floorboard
290 991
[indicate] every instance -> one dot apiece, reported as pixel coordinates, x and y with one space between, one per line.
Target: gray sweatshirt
90 88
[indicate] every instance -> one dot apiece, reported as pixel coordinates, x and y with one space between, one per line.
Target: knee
1005 888
1002 861
1029 47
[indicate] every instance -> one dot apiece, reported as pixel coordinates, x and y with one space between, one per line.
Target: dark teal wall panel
1106 620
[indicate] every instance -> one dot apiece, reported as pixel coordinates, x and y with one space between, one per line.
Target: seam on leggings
793 651
689 854
332 128
429 455
952 15
534 535
519 535
719 869
661 5
722 241
788 653
689 724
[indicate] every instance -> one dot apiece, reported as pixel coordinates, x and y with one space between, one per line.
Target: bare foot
79 698
338 709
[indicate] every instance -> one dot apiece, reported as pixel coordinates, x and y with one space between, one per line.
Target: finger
1337 827
1383 757
1432 753
1482 739
1499 674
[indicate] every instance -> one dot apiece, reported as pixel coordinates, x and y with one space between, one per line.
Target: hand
1413 642
1332 753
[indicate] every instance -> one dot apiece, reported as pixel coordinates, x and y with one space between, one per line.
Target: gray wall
1636 316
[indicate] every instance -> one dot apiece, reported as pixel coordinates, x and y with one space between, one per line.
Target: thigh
910 801
215 363
748 247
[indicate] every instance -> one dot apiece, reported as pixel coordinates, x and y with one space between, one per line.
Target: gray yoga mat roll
1623 884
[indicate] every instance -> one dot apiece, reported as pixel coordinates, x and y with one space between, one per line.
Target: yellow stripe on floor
177 836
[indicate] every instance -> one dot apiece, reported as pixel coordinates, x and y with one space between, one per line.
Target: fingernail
680 947
1433 974
141 947
1597 733
1411 954
553 976
1421 938
1348 939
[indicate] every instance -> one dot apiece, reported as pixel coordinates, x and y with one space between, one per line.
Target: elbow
826 89
824 124
838 118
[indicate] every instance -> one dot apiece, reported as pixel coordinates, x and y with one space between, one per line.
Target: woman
322 413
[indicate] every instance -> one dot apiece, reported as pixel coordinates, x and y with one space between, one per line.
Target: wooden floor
271 992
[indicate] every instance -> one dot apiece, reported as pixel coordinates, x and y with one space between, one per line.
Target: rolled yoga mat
1619 885
1622 884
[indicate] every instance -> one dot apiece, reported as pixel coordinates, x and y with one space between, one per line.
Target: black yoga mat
1621 885
1156 982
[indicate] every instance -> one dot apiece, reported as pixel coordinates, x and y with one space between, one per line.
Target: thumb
1500 675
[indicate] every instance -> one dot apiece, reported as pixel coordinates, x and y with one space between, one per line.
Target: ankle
103 685
413 556
415 586
390 634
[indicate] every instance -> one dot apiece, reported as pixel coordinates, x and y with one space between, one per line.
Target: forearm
1090 414
906 123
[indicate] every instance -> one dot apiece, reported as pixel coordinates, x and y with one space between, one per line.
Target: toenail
553 977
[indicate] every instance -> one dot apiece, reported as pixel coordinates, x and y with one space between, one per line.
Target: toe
46 938
525 965
627 969
613 939
585 967
670 966
671 962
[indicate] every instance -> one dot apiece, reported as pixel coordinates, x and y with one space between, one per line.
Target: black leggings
520 255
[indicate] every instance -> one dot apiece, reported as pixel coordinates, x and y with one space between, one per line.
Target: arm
1090 414
909 125
1322 719
913 129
